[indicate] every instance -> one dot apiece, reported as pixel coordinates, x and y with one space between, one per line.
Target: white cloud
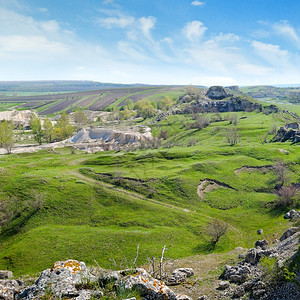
111 22
194 30
251 69
286 30
197 3
271 53
30 44
228 37
43 10
50 26
146 24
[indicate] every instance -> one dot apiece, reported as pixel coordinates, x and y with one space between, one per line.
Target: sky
209 42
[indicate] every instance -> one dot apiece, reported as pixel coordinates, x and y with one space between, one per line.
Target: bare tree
232 136
216 229
286 196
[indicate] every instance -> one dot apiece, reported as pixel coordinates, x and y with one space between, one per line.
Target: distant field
49 104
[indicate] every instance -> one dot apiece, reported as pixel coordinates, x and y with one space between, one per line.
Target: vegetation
6 136
100 206
36 127
63 128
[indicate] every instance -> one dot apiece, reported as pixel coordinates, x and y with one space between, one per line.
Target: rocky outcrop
216 93
233 104
179 276
61 281
249 276
71 279
18 117
109 135
289 132
292 215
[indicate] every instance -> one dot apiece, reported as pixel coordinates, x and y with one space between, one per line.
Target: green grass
101 206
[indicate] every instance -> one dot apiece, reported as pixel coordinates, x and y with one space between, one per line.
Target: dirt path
208 185
128 193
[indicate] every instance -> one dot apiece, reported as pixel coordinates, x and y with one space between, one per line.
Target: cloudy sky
156 42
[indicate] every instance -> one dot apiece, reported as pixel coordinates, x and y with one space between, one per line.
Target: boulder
150 287
223 285
179 275
291 231
8 288
4 274
237 274
289 132
216 93
61 280
263 244
259 231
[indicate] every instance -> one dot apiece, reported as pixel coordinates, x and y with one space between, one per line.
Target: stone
61 279
8 288
239 292
150 287
223 285
237 274
179 275
259 231
252 256
291 231
204 297
263 244
216 93
183 297
289 132
4 274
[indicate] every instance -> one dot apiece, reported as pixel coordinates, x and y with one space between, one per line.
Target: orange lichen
71 265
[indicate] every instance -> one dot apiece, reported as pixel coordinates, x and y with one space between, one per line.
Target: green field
101 206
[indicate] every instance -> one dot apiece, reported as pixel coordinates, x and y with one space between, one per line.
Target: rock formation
72 279
233 104
289 132
17 117
216 93
249 277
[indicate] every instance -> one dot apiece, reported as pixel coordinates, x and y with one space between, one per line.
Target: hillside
208 160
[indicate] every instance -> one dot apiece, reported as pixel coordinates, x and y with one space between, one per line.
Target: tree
233 118
216 229
6 136
48 129
80 118
36 127
63 129
145 109
232 136
166 103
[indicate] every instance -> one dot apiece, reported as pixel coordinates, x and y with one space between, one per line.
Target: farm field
51 104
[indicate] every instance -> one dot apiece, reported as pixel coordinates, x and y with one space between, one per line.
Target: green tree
6 136
129 103
48 129
145 109
80 118
36 127
166 103
63 128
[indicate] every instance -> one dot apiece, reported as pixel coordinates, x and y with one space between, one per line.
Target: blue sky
245 42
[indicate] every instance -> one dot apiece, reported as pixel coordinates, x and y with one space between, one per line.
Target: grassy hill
101 206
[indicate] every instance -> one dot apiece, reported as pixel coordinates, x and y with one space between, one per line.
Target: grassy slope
84 220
